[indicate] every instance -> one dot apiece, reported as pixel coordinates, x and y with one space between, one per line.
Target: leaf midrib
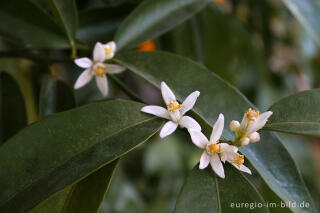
77 154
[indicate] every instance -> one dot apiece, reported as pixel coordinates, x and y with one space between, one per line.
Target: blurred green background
258 46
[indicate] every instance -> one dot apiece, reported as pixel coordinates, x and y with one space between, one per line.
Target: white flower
211 147
174 112
96 68
230 154
109 49
252 121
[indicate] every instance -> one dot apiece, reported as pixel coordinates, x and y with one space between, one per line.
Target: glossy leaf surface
152 18
60 149
297 114
203 191
27 24
307 13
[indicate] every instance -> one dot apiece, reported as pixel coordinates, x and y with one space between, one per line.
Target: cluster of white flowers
97 67
214 151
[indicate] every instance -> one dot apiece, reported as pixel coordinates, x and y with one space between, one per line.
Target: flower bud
234 126
254 137
244 141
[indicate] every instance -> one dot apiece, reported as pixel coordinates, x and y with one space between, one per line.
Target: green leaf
100 24
85 196
183 76
297 114
307 13
272 199
203 191
65 147
55 96
88 194
66 13
152 18
12 107
26 23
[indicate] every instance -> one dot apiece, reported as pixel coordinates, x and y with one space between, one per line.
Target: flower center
108 50
174 105
252 114
100 70
239 159
213 148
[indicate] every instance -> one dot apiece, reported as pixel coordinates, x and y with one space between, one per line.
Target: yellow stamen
239 160
252 114
108 50
214 148
174 105
100 70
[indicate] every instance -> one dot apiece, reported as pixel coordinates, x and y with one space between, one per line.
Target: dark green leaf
307 13
55 96
12 107
272 199
26 23
152 18
100 24
62 148
88 194
85 196
203 191
55 203
297 114
269 156
66 14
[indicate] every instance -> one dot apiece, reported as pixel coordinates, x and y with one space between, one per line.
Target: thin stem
125 89
73 50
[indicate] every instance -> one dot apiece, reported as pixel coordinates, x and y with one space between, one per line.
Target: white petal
102 84
83 79
168 129
228 148
167 94
189 123
175 116
217 129
217 165
98 52
204 160
83 62
227 156
223 156
189 102
113 47
260 122
242 168
157 111
114 68
244 123
199 139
